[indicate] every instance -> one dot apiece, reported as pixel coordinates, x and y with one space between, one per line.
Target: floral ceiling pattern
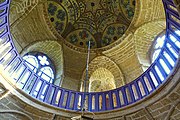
100 21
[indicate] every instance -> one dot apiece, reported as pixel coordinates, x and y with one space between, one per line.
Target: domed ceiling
100 21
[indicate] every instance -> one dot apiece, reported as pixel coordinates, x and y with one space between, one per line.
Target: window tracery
159 42
41 64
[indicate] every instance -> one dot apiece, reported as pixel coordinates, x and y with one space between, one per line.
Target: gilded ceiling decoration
100 21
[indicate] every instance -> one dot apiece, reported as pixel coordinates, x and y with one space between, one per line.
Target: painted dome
100 21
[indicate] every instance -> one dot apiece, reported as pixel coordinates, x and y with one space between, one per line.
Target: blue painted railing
149 81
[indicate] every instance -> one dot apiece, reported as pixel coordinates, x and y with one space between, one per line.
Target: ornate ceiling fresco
100 21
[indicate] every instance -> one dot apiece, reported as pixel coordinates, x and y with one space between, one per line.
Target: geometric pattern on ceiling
100 21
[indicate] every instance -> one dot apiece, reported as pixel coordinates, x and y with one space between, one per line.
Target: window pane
31 60
48 71
177 32
31 67
45 77
169 59
173 39
159 73
43 60
160 42
172 50
163 64
155 54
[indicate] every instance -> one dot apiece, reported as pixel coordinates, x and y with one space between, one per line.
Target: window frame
152 47
40 65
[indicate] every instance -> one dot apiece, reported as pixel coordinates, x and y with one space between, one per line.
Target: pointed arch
106 63
143 39
101 80
54 51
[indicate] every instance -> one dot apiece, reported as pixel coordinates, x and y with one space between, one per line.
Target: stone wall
130 54
54 51
105 62
144 37
163 104
30 28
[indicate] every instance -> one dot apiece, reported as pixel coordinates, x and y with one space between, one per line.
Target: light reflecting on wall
101 80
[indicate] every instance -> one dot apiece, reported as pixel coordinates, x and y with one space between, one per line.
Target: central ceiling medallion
100 21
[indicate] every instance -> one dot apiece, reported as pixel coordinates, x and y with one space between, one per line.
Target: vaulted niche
101 80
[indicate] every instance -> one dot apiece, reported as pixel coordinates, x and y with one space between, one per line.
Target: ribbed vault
108 64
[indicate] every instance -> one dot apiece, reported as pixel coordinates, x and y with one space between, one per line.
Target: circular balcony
147 83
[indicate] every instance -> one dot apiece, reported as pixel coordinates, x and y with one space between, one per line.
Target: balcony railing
144 85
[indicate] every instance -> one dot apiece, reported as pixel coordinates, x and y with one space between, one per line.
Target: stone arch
54 51
145 31
101 80
144 37
107 63
148 10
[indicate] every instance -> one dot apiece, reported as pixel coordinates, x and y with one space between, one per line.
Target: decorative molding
172 109
150 115
16 112
24 8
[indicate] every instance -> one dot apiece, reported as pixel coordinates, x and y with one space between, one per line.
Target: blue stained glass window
157 47
160 42
41 64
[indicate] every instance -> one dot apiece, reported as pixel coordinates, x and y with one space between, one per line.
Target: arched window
41 64
159 42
